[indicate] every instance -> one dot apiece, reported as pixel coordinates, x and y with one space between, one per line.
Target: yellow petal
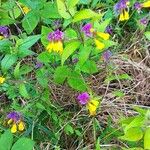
99 44
92 106
2 80
146 4
21 126
121 17
126 15
50 46
58 47
14 128
9 121
1 37
25 9
105 36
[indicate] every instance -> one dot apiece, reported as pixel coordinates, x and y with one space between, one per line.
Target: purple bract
137 6
109 30
55 35
83 98
106 55
15 116
86 29
144 21
4 31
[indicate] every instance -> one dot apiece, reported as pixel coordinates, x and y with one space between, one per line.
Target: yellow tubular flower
21 126
92 106
9 121
25 9
50 46
146 4
14 128
124 15
99 44
2 80
1 37
104 36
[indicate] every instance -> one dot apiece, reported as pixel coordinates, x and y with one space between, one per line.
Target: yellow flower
2 80
14 128
124 15
146 4
56 46
99 44
1 37
104 36
25 9
21 126
92 105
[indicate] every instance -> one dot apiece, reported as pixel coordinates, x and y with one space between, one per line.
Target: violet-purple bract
83 98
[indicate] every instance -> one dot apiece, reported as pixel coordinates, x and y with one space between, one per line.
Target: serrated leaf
23 91
61 73
7 140
69 49
23 144
85 14
8 61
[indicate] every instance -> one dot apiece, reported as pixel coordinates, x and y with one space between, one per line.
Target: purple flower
106 55
137 6
38 65
55 35
87 29
75 60
109 30
15 116
83 98
57 24
144 21
4 31
122 4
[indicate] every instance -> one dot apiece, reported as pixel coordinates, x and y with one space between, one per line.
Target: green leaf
147 139
89 67
44 57
28 42
23 91
45 31
85 14
61 73
83 56
63 11
50 11
69 49
71 34
8 61
133 134
147 34
97 147
17 70
76 81
72 3
6 140
69 129
30 21
23 144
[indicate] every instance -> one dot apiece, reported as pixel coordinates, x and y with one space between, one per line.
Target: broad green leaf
44 57
83 56
71 34
76 81
23 144
69 129
133 134
147 139
17 70
45 31
63 11
8 61
89 67
30 21
69 49
50 11
72 3
61 73
23 90
25 69
147 34
6 140
85 14
28 42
